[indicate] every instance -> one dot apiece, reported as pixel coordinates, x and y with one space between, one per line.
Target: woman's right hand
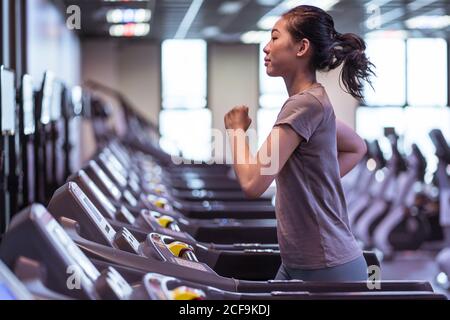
238 118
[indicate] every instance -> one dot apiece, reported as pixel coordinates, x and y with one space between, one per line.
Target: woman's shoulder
320 97
304 100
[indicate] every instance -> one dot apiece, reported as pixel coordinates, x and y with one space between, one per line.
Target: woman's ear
303 47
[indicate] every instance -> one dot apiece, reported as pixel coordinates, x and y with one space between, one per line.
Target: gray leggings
355 270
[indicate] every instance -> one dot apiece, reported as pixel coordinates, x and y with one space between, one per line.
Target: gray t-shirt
313 226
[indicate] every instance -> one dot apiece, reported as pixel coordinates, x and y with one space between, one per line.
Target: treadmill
121 250
196 190
443 180
225 260
201 210
37 242
220 231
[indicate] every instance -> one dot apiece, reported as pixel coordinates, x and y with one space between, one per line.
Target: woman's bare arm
351 148
256 173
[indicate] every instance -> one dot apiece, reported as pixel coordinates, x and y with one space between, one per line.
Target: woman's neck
299 81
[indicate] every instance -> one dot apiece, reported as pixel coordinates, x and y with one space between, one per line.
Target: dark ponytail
331 49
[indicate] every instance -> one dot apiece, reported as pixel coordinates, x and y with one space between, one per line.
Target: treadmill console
156 222
161 287
175 252
103 178
69 271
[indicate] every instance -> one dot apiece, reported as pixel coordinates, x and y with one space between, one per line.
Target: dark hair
331 48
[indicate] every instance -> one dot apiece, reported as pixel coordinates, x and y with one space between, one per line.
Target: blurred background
111 90
184 63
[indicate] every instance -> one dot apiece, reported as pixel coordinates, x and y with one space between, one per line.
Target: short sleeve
303 113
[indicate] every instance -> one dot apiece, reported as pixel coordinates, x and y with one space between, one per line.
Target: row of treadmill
132 225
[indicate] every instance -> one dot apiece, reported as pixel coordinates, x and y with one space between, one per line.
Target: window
427 72
184 117
184 74
419 121
412 124
180 128
272 96
265 121
389 84
412 73
370 124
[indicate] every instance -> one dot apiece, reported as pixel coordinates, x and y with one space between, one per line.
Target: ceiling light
255 36
230 7
129 30
323 4
267 22
267 2
142 15
428 22
128 15
387 34
211 31
117 30
141 29
114 16
125 0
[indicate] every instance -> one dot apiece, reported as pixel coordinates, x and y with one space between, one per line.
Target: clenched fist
238 118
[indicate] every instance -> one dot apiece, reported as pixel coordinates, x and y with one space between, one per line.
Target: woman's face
281 51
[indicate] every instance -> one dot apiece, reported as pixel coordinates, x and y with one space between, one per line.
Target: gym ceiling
227 20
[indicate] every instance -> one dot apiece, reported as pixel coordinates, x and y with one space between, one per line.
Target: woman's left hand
237 118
